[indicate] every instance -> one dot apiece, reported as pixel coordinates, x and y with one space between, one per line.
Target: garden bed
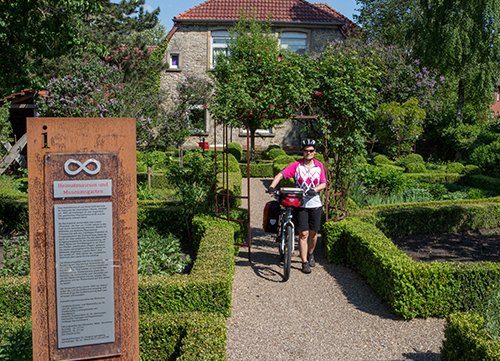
471 246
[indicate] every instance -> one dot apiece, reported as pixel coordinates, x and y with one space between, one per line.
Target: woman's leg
303 245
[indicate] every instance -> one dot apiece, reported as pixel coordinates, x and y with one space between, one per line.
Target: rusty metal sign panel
83 238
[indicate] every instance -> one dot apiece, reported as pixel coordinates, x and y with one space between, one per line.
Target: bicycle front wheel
288 251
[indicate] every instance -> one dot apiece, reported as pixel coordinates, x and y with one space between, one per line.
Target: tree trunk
252 145
461 100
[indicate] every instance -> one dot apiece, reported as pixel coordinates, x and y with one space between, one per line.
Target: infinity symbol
82 166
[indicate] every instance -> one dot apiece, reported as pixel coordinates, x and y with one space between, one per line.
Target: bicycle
288 198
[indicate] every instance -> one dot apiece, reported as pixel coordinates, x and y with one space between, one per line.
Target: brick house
202 31
495 107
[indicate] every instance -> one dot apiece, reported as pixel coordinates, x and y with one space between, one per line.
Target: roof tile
280 10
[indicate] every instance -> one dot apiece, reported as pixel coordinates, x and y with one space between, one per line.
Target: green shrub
410 289
14 214
437 190
263 169
185 336
265 154
388 179
16 339
381 159
471 169
284 160
417 195
236 150
16 257
435 177
487 157
415 168
433 217
234 166
466 339
160 254
410 158
455 168
207 288
492 316
274 153
162 337
482 182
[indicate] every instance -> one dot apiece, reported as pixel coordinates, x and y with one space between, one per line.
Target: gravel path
330 314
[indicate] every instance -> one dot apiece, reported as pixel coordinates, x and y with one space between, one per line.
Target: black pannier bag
271 216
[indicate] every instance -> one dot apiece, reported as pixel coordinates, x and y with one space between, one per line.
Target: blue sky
169 9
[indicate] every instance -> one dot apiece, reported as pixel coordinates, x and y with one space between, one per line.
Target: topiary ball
381 159
415 168
455 168
274 153
235 149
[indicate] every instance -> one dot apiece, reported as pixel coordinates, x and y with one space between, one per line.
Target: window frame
302 32
219 34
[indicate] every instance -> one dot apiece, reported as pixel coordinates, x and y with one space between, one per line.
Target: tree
461 39
343 96
389 21
401 123
257 86
97 89
32 30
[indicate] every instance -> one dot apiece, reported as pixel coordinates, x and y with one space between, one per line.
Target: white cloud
148 8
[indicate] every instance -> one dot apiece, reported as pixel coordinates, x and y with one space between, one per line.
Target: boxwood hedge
467 340
410 289
162 337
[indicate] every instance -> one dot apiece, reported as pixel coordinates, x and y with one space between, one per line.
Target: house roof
348 26
281 11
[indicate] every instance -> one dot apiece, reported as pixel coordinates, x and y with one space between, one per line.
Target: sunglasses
309 151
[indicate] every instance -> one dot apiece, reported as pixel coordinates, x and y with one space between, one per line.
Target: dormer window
294 41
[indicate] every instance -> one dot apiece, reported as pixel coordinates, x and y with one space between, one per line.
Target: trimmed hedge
184 336
234 182
482 182
236 150
433 217
435 177
258 170
467 340
410 289
206 289
16 299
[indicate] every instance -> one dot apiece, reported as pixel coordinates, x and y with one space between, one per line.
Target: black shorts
307 219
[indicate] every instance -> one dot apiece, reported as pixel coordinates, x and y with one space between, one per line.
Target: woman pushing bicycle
310 176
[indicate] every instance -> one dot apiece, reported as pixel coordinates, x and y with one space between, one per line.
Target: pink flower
357 91
259 59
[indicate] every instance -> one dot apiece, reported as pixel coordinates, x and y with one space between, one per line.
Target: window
174 61
197 119
220 39
296 42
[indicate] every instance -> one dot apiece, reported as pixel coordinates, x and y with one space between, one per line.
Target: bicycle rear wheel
288 251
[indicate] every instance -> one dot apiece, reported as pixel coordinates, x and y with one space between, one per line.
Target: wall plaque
84 274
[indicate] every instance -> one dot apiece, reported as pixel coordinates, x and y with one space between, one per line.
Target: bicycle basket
291 197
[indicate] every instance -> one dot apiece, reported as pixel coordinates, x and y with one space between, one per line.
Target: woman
310 176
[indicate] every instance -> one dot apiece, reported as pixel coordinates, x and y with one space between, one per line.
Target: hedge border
433 217
181 336
410 289
467 340
206 289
